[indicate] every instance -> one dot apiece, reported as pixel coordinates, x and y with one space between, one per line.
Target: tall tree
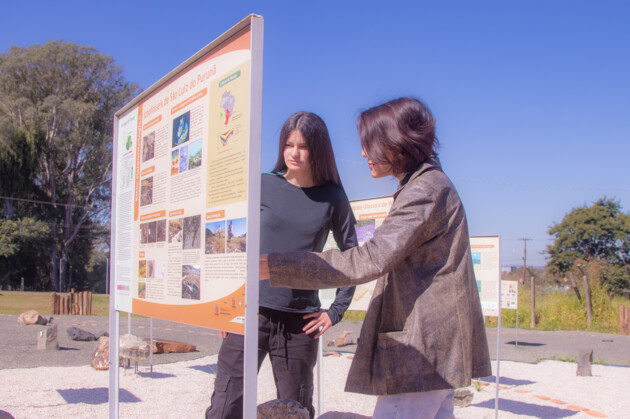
600 232
62 97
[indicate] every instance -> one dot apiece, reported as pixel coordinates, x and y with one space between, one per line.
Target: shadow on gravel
209 369
506 381
95 395
529 409
61 348
156 375
512 342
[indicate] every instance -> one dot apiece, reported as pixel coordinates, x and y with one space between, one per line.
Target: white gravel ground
549 389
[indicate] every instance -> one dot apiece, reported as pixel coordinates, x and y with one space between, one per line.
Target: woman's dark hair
320 152
400 133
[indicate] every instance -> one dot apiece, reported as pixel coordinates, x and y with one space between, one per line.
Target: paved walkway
18 347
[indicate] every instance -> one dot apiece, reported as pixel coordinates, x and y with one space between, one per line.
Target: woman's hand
321 321
263 268
223 333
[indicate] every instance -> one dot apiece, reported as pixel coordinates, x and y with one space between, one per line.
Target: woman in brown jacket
423 334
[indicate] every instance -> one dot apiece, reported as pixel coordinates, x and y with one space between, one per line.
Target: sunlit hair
400 133
321 156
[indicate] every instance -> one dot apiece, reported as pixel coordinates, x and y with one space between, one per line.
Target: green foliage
57 103
15 234
599 233
558 309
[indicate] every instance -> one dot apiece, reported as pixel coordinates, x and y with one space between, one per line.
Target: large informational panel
485 252
187 187
370 214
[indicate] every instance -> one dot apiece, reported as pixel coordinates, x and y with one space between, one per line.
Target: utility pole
533 306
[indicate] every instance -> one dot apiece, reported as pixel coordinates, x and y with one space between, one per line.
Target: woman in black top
301 201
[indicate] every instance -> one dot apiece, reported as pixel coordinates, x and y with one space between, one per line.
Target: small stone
463 397
47 339
31 317
100 356
585 359
282 408
81 335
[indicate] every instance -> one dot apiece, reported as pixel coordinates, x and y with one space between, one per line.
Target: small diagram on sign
181 129
227 104
190 282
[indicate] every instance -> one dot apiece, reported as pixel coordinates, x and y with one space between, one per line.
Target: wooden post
624 320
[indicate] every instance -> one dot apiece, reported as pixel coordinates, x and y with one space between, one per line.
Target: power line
42 202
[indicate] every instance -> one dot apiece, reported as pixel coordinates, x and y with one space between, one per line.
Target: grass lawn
17 302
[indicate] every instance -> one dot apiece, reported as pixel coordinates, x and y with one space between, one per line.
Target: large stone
463 397
31 317
75 333
167 347
133 348
100 356
585 359
282 408
47 339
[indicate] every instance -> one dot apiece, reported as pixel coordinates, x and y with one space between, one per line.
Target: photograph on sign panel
215 237
181 129
190 282
146 191
175 232
174 162
192 232
148 147
236 235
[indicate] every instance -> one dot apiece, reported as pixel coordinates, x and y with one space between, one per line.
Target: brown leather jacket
424 328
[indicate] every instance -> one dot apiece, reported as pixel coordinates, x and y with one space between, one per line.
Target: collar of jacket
432 163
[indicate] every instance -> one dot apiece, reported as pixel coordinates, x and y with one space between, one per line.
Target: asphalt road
18 343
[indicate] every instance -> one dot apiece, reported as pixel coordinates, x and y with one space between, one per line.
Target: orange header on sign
152 122
141 254
188 101
147 171
482 246
153 215
215 215
176 212
373 216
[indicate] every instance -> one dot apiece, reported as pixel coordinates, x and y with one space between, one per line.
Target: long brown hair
400 133
321 156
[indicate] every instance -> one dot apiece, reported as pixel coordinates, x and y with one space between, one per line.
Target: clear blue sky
532 98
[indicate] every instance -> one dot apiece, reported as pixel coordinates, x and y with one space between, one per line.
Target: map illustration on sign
227 103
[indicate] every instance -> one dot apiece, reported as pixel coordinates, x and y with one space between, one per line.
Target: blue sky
532 98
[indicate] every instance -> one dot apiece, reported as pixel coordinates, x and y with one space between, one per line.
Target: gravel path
549 389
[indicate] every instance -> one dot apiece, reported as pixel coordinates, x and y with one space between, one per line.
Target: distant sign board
486 263
509 294
370 214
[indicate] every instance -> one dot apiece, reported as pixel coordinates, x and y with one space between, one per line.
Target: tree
599 233
61 98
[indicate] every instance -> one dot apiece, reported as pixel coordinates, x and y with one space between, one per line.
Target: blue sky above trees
530 97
